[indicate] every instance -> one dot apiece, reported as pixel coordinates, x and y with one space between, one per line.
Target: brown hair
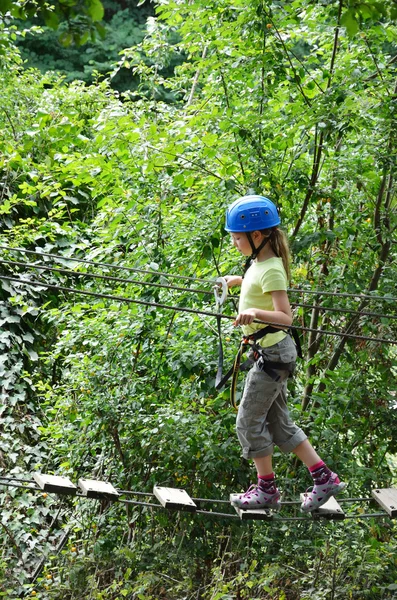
279 244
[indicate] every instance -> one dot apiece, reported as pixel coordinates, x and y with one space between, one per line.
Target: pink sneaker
319 494
256 497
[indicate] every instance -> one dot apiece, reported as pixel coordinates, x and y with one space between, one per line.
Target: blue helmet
251 213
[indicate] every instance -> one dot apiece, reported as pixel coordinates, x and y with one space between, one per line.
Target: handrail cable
189 310
339 309
153 272
105 277
359 295
182 289
107 265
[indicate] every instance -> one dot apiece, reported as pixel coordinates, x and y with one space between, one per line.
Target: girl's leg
325 482
264 465
307 454
318 469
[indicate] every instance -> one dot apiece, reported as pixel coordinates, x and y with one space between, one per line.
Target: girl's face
240 241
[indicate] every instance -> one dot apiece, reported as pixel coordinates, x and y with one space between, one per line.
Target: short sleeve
273 280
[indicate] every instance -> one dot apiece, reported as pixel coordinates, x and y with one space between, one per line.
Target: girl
263 419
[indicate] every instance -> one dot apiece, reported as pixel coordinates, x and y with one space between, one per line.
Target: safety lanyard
269 366
220 293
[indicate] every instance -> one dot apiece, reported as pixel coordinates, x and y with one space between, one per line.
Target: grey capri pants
263 419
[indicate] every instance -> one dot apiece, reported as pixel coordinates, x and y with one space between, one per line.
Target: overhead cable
172 275
104 277
43 284
106 265
178 288
359 295
339 309
189 310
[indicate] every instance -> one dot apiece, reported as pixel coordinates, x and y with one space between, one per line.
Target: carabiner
220 291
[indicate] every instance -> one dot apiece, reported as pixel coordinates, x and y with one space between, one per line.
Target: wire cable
105 277
178 288
154 272
210 513
339 309
190 310
100 264
23 487
213 500
344 295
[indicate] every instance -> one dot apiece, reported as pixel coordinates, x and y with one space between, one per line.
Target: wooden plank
174 499
387 498
256 514
101 490
55 484
330 510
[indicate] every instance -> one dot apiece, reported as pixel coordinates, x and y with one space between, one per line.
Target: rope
153 272
190 310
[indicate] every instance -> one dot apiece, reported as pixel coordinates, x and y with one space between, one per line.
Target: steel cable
339 309
178 288
189 310
106 265
150 494
154 272
105 277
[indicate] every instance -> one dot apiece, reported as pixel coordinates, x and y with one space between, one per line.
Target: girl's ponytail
279 244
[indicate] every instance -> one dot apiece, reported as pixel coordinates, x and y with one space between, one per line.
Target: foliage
122 27
82 17
282 98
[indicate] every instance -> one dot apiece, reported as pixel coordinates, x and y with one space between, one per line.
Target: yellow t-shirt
261 279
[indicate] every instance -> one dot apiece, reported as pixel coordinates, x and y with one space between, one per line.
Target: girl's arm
281 314
233 280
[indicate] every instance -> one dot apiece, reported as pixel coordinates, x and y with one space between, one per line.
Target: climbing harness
272 368
220 293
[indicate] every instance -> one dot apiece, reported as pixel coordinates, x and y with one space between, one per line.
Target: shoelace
250 490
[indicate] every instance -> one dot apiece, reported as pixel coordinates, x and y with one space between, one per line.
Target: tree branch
313 180
196 78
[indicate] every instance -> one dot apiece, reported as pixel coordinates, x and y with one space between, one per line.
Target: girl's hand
233 280
246 317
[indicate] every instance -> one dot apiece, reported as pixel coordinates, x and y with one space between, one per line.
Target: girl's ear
257 235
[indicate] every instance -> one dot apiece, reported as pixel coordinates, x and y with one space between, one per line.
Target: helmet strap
255 251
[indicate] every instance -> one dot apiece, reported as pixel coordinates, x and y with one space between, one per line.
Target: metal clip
220 291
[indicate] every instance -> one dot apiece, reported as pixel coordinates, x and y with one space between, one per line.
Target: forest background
126 130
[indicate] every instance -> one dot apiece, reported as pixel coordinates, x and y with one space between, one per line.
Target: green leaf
32 354
66 38
349 21
51 19
96 10
5 5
